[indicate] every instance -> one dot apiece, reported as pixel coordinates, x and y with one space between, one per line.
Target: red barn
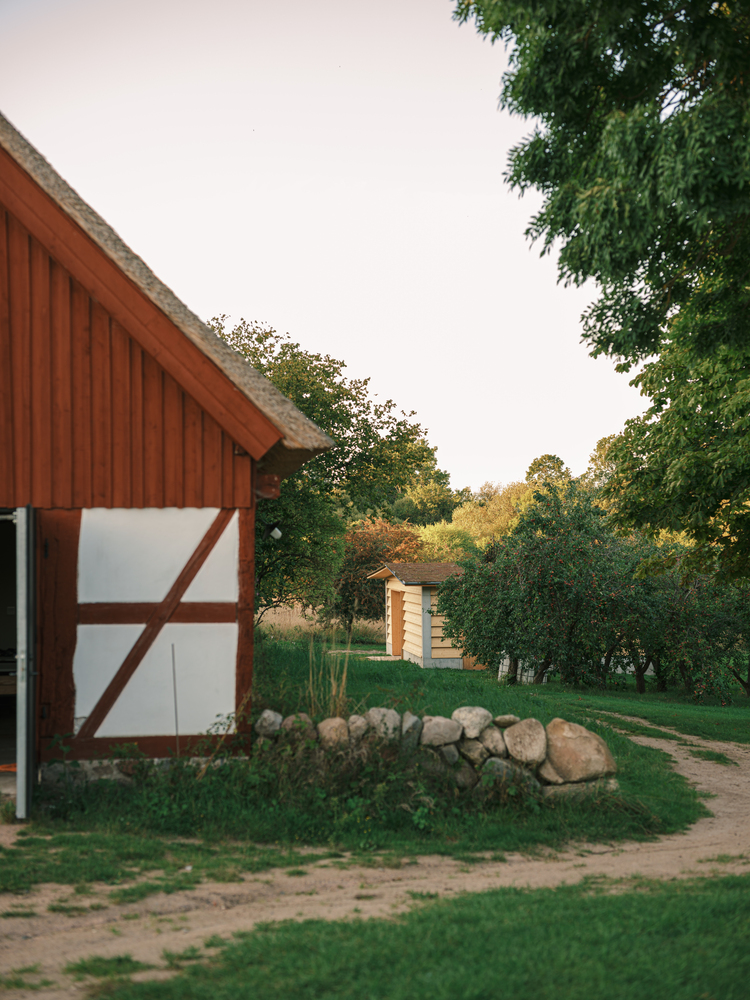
134 445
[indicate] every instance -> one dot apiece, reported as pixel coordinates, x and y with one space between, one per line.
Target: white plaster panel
100 650
205 657
136 554
217 579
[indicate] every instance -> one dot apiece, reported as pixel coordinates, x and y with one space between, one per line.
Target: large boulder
473 751
582 789
269 723
526 742
576 753
492 740
411 730
357 728
473 719
384 722
333 732
437 731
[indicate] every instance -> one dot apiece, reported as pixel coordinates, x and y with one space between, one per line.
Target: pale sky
333 169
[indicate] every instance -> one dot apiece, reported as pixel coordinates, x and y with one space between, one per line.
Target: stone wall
473 748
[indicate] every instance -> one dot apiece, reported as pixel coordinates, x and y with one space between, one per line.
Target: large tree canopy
642 153
685 464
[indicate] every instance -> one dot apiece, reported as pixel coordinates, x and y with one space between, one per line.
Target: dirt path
334 890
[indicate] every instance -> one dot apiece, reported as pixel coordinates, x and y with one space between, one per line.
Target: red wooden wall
87 417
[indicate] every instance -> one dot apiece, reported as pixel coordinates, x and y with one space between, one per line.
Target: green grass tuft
99 967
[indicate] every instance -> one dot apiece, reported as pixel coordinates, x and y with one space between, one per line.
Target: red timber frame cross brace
156 616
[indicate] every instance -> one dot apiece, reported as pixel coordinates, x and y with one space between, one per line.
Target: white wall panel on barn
136 554
205 668
217 579
100 649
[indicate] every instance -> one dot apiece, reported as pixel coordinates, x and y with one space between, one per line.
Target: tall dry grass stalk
326 683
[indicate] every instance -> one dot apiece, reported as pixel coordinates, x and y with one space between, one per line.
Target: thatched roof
301 437
417 574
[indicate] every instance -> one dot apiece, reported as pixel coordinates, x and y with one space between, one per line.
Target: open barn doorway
17 643
7 652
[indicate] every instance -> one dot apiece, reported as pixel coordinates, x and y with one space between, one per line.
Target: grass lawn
237 804
678 941
41 854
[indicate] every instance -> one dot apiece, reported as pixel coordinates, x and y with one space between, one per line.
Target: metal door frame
25 660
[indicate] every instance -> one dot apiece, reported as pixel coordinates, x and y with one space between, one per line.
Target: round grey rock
269 723
385 722
473 751
449 753
411 730
576 753
333 732
526 742
357 726
437 731
506 720
473 719
492 740
300 725
466 777
497 771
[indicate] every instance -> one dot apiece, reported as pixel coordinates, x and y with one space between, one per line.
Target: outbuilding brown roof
301 438
417 574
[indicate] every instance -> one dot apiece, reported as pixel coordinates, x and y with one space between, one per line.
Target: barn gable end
90 418
134 445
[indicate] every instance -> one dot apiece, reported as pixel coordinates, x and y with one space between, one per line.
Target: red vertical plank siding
20 319
137 492
101 413
227 470
153 433
243 487
6 370
60 355
121 417
173 422
80 308
211 462
193 452
41 380
87 417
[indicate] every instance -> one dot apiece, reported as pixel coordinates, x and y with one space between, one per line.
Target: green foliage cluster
428 498
561 591
684 465
640 151
624 940
367 545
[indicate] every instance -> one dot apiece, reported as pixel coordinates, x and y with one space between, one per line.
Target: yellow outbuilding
412 632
